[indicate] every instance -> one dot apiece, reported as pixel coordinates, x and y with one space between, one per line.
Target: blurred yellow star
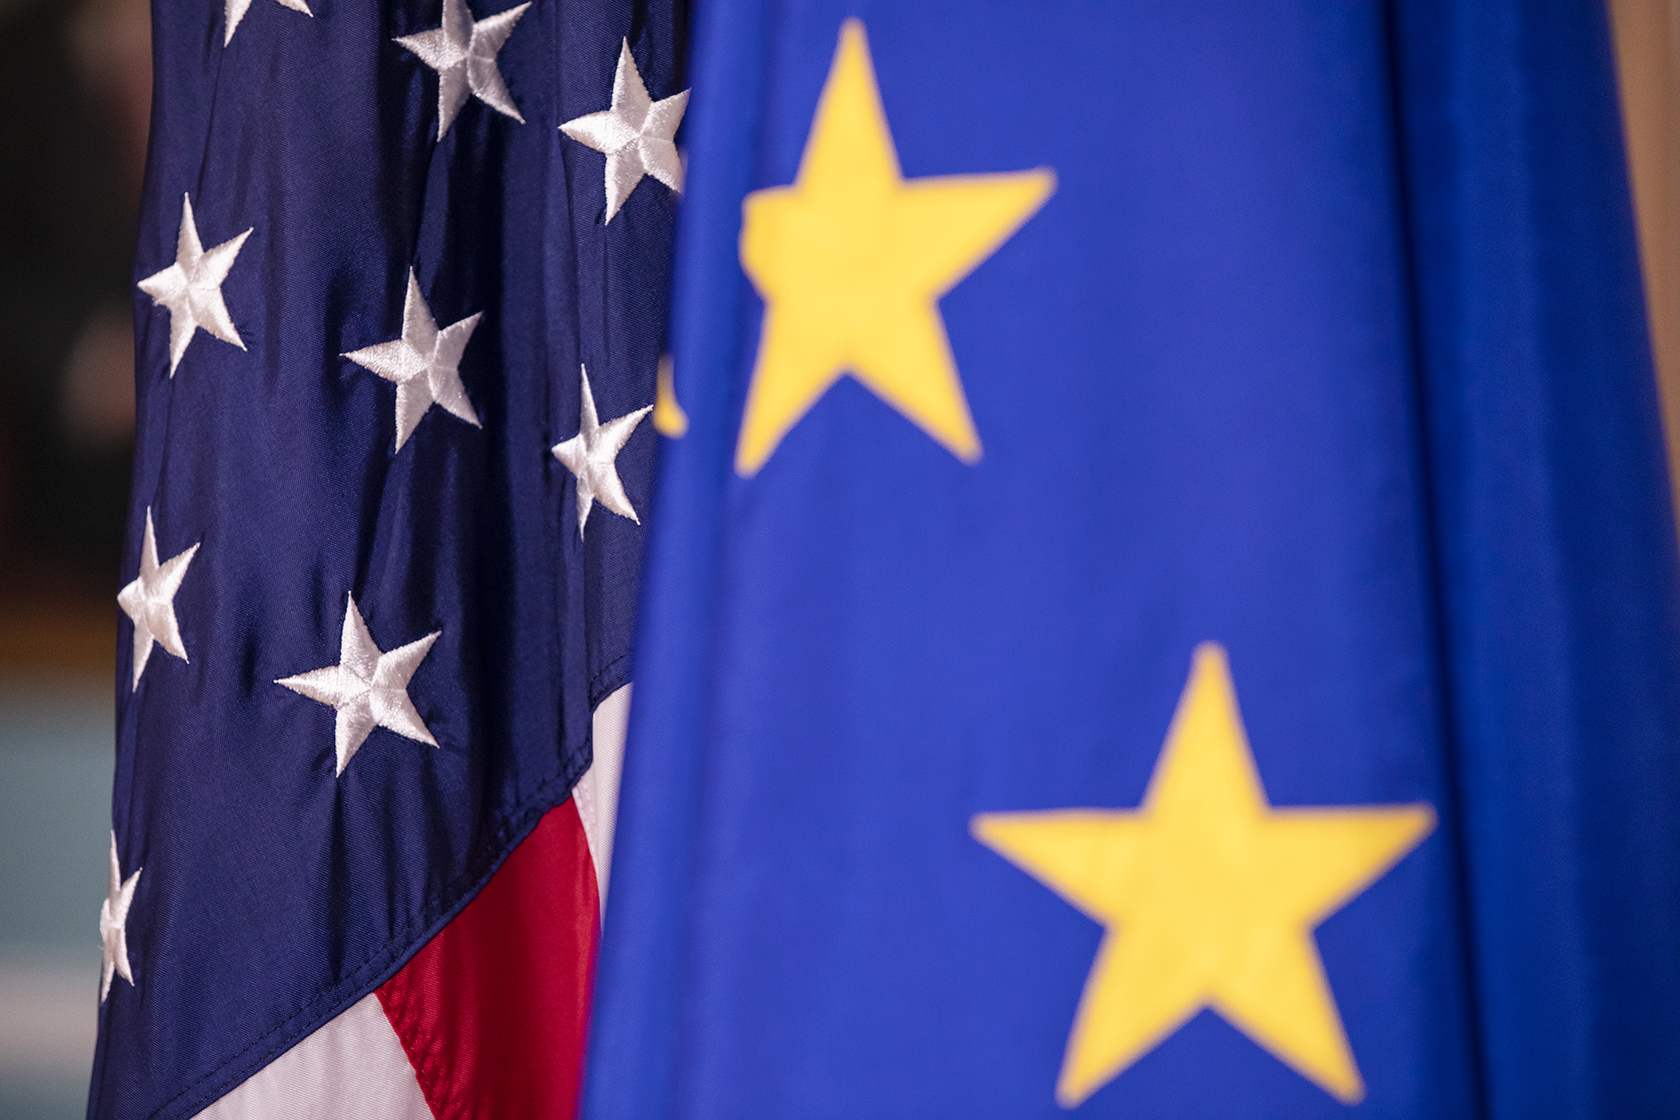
1209 897
851 261
668 415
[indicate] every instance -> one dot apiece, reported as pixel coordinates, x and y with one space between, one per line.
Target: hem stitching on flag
613 671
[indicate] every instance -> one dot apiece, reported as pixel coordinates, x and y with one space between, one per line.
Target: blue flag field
1165 603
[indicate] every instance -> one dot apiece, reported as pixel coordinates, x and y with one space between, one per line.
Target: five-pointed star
236 10
851 261
463 52
113 923
192 288
1209 897
424 362
637 134
368 687
592 456
150 600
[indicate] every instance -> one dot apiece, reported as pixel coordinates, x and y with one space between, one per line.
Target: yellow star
851 261
668 415
1209 897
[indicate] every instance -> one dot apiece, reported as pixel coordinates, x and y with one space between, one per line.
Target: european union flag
1166 602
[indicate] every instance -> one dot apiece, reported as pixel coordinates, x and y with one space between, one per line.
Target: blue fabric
275 893
1554 547
1329 347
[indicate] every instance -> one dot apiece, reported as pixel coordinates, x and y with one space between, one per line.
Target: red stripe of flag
492 1012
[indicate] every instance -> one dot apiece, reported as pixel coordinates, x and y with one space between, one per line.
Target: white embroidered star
637 134
463 52
368 687
113 924
192 288
236 10
592 456
424 363
150 600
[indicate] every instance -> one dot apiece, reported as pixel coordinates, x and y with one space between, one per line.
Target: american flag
400 306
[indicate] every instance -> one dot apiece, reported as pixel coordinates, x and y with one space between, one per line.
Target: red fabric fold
492 1012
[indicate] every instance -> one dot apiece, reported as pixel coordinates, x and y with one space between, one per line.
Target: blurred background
75 85
75 100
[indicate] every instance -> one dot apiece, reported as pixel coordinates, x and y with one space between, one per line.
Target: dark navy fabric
1554 547
1329 348
274 894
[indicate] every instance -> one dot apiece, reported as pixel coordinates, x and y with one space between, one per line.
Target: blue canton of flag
401 291
1167 603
